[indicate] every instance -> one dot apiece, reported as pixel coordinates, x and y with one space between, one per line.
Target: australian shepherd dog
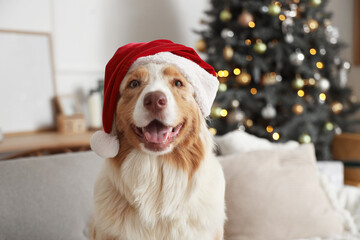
165 183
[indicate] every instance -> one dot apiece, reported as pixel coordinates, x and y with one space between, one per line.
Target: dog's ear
104 144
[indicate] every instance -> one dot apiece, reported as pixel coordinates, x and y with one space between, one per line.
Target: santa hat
200 74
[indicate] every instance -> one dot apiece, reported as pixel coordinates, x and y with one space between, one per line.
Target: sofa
50 197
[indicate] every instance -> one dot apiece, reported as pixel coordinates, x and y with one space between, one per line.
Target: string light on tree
346 65
337 130
353 99
248 123
222 76
306 28
223 113
276 136
235 116
241 127
269 129
298 109
319 65
312 51
237 71
201 45
248 42
301 93
311 82
297 57
228 52
215 112
322 51
329 126
313 24
213 131
223 73
227 33
245 18
323 84
235 103
315 3
222 87
269 78
225 15
343 73
287 26
298 82
322 97
274 9
304 138
253 91
260 47
332 34
243 78
336 107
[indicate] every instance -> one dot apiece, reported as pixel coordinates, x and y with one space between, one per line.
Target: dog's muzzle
155 102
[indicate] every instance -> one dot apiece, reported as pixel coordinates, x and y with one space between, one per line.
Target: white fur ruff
156 201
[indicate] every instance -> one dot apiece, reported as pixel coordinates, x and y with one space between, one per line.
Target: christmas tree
279 69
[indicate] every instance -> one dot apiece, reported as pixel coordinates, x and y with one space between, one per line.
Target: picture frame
27 85
68 105
357 32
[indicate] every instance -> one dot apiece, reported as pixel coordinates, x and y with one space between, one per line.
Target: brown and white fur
169 190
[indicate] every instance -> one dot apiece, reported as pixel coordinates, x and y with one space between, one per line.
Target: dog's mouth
156 136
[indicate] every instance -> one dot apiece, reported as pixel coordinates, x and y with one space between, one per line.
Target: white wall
343 18
88 32
34 15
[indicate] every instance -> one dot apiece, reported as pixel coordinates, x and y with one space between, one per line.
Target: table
346 148
42 143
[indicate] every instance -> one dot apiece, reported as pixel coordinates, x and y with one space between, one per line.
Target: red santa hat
200 74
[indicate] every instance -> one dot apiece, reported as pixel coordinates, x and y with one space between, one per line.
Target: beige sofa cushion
47 198
276 195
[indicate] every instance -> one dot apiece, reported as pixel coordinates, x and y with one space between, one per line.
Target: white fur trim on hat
105 145
204 83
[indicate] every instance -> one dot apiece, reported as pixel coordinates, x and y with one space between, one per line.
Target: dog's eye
134 84
178 83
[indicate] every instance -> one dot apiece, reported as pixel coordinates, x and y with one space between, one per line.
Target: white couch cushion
276 195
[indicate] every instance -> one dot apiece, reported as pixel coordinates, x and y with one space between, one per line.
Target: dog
165 181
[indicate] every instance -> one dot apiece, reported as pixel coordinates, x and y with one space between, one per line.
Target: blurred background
87 33
289 73
58 49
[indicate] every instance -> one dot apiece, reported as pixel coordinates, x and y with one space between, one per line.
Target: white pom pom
104 145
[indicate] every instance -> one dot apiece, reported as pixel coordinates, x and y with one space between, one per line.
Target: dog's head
157 109
158 92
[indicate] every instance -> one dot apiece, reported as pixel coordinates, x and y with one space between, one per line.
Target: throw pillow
276 195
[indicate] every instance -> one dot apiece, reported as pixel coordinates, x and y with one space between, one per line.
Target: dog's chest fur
155 200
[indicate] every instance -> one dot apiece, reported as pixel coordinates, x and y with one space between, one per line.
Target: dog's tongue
156 132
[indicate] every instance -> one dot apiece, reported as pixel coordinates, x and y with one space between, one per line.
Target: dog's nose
155 101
